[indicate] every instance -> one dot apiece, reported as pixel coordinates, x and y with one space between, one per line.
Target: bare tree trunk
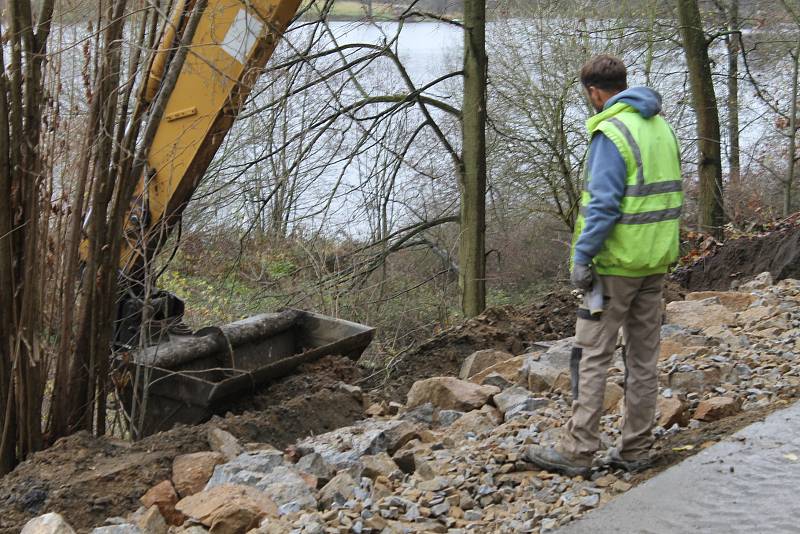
95 307
733 45
8 455
695 45
473 176
650 51
792 157
22 231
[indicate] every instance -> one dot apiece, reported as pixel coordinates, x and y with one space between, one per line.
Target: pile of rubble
451 458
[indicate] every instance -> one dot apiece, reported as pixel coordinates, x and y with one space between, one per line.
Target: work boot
555 461
614 459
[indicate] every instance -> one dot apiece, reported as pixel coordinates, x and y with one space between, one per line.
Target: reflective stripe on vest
646 217
637 154
643 190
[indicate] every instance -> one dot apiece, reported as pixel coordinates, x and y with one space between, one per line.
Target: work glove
581 277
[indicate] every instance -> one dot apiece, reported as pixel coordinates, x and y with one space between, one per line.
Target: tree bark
711 212
7 414
473 173
23 231
792 155
733 45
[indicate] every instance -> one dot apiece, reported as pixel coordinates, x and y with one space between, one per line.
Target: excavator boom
233 41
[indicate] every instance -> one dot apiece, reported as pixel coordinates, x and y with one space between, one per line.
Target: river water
429 50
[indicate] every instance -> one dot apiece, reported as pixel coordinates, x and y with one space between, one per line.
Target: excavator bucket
189 378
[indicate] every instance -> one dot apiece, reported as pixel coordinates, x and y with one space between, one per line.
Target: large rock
228 508
338 491
497 380
550 370
343 447
699 313
761 281
448 393
755 316
424 414
732 300
405 459
516 400
509 398
448 417
380 464
354 391
395 434
726 336
671 412
51 523
530 405
717 408
669 331
480 360
510 370
476 421
262 470
191 472
542 376
224 443
247 468
684 341
694 380
559 352
152 522
287 488
191 529
272 526
687 337
164 496
314 464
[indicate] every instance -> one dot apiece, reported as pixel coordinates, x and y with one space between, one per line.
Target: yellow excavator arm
229 50
233 41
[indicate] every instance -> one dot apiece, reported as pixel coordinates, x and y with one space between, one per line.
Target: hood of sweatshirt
643 99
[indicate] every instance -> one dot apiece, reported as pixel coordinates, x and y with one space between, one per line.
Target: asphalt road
748 483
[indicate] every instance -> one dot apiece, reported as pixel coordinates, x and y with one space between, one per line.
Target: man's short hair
605 72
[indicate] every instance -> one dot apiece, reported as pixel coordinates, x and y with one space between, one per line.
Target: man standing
626 238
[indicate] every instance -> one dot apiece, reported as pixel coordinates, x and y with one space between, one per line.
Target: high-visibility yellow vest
645 239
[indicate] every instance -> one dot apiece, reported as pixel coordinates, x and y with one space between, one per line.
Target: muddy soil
504 328
324 373
673 291
88 479
740 259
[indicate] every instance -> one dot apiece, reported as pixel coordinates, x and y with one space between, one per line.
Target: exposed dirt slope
504 328
776 251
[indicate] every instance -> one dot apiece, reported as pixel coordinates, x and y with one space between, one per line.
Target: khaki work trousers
635 305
